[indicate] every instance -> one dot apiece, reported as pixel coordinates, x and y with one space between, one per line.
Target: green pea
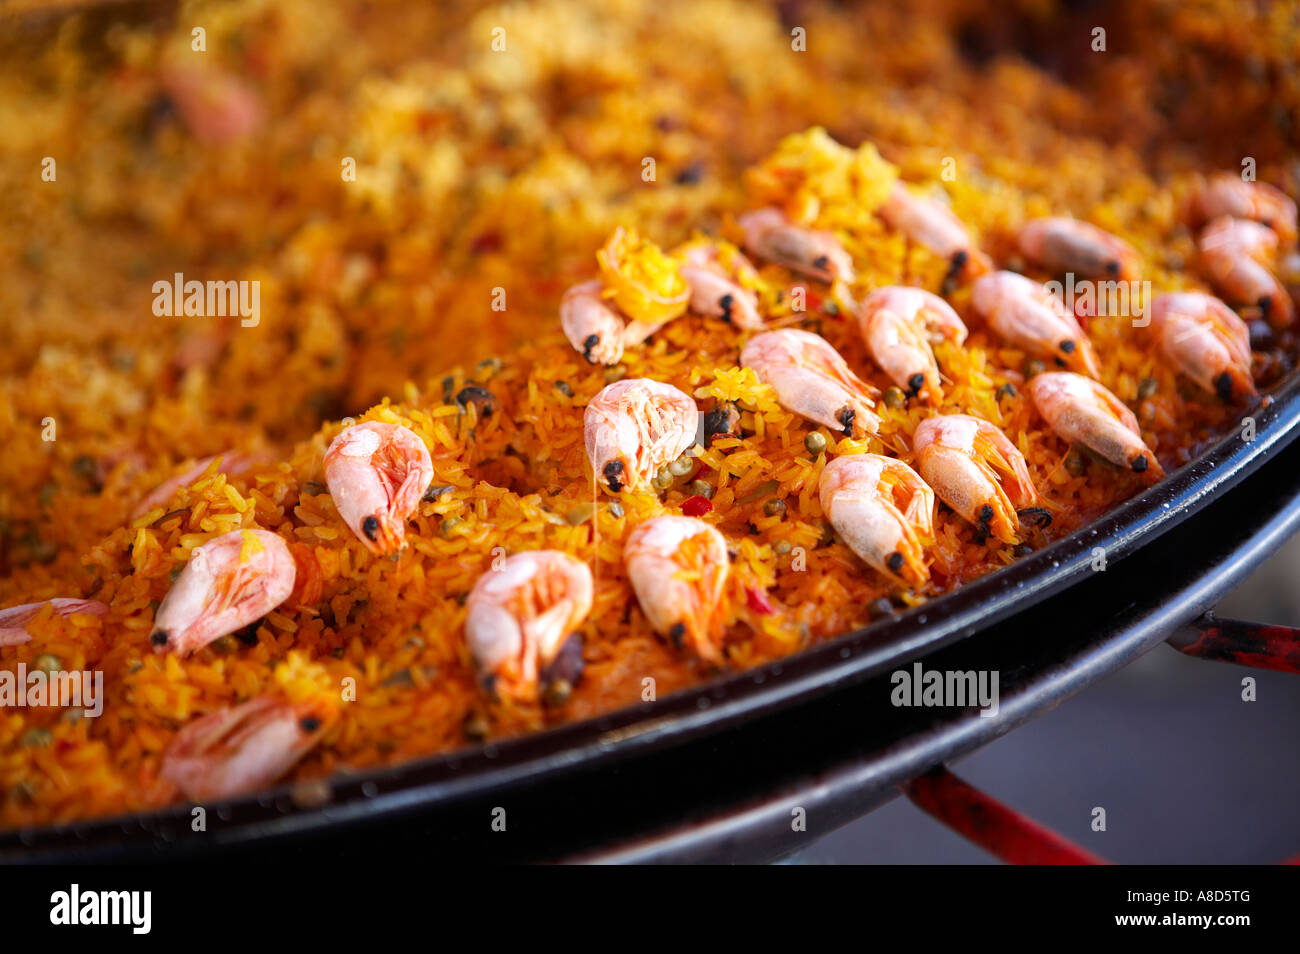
702 488
681 466
36 737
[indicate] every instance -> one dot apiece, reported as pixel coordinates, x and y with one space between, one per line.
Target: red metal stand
1237 641
988 823
1021 841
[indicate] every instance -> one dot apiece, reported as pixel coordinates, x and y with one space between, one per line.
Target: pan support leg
1259 645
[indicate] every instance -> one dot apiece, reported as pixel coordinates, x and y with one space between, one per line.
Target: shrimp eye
1112 268
1265 306
612 470
588 343
986 513
726 301
894 561
915 381
678 633
1223 387
955 266
309 725
1139 464
1068 347
846 417
370 526
159 638
1034 516
821 261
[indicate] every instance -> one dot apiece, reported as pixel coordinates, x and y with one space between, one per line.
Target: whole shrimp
1226 193
1068 245
230 581
882 509
217 107
716 285
520 624
242 749
1082 411
978 472
593 327
1029 316
376 474
634 427
812 379
678 567
639 291
932 224
1238 255
897 325
818 254
1205 340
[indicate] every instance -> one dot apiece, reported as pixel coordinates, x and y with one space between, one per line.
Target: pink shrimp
716 291
592 325
520 624
14 619
1228 194
882 509
1028 316
217 107
978 472
678 567
897 324
1239 255
230 581
1081 411
376 474
1067 245
242 749
932 224
818 254
813 380
230 463
634 427
1205 340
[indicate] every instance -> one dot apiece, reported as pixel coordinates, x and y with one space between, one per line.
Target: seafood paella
555 371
